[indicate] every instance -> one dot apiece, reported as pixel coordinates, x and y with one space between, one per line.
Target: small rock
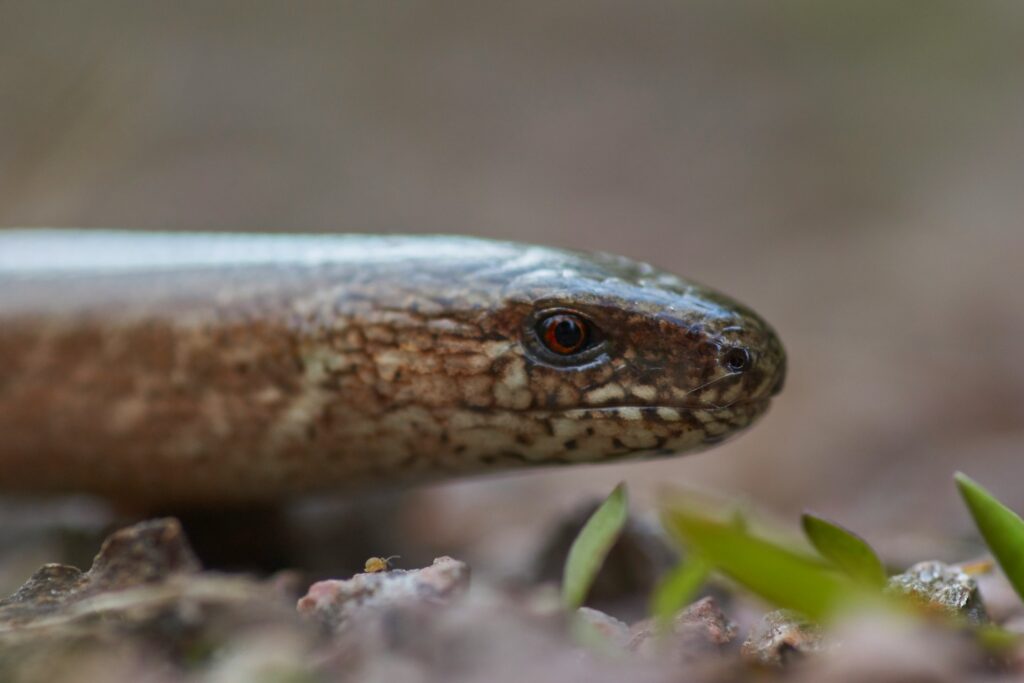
144 600
779 637
943 587
336 602
606 626
143 554
699 631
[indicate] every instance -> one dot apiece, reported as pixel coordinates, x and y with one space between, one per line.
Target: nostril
736 359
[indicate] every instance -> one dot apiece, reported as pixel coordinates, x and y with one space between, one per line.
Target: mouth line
666 413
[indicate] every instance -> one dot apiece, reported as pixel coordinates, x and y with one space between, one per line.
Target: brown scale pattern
255 381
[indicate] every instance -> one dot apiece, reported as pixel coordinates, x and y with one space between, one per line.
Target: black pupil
568 333
736 359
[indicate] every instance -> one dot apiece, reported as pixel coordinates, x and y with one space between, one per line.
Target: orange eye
563 333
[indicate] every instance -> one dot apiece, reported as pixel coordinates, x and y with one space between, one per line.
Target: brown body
217 368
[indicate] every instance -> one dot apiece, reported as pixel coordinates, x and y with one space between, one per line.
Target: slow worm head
228 367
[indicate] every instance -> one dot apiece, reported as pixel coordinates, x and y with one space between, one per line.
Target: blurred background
853 171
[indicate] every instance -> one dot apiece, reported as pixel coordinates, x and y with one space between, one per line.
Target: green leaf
844 549
1001 527
998 640
677 589
777 574
590 548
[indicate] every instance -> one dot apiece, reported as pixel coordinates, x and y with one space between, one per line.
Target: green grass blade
590 548
677 589
777 574
1001 527
846 550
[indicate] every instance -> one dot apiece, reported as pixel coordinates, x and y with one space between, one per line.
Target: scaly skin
198 368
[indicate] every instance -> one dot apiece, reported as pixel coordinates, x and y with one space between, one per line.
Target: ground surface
147 611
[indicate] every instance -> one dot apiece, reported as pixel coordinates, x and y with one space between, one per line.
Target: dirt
146 610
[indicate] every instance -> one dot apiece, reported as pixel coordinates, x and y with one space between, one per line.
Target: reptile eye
736 359
563 333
